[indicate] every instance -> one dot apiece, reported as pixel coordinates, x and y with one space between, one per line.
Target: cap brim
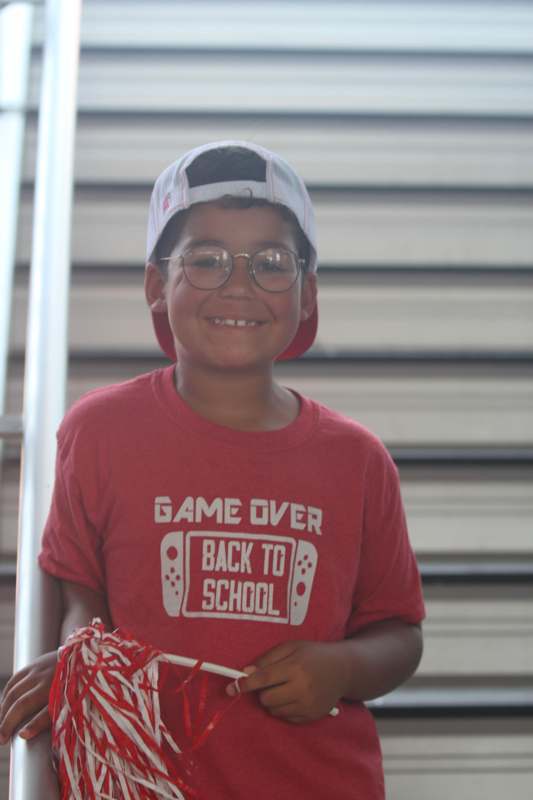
164 334
305 336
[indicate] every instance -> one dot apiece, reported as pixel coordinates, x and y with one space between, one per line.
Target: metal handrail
37 615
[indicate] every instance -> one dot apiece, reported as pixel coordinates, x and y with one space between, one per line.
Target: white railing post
37 602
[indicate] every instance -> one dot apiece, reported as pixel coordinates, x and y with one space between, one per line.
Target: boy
217 514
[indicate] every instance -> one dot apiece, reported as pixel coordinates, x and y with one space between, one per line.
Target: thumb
233 688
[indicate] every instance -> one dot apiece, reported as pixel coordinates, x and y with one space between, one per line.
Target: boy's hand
25 699
296 681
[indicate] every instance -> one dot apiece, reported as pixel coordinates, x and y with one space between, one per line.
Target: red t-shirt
221 544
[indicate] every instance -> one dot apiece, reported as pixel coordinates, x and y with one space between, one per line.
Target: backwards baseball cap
173 193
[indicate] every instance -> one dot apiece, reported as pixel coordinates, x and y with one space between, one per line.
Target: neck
243 401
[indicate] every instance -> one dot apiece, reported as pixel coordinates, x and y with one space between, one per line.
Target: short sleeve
72 542
388 583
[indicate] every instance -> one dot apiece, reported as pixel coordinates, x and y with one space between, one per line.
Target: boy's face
195 314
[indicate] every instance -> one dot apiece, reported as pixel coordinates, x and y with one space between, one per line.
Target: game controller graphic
172 577
175 552
303 573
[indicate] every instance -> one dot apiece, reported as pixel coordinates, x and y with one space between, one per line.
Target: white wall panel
474 26
4 771
468 516
466 759
368 229
448 230
332 84
333 153
446 314
9 500
7 622
442 409
488 635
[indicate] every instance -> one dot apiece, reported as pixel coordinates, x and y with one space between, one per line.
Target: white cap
282 186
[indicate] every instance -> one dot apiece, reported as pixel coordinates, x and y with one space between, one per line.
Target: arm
380 658
302 681
25 697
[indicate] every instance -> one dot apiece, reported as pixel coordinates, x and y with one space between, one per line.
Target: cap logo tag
166 202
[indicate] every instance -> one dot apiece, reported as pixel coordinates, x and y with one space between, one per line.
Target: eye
267 265
205 262
204 259
271 261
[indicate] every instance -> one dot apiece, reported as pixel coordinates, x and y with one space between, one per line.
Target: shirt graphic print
265 577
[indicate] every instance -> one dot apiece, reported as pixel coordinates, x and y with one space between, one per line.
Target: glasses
273 269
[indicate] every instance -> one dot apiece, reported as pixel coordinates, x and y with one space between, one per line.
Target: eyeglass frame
300 263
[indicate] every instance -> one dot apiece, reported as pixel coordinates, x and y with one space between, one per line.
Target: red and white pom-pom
107 732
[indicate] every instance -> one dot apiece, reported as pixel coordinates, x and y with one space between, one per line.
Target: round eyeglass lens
275 270
207 267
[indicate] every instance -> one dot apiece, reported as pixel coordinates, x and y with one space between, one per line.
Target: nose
240 281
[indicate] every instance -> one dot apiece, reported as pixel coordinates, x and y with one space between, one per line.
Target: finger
276 654
14 679
290 712
262 678
39 723
293 712
9 698
22 710
277 697
234 688
275 675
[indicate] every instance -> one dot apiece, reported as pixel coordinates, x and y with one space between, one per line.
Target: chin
241 364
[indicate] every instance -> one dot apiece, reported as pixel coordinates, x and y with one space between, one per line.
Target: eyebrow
271 243
195 242
258 245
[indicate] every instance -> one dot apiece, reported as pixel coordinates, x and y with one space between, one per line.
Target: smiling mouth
224 322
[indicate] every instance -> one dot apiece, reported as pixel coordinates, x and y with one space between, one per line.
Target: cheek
181 305
180 294
288 313
175 279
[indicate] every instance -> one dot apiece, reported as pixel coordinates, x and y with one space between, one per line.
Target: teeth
239 323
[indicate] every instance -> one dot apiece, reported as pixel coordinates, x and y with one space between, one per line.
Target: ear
154 289
309 294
